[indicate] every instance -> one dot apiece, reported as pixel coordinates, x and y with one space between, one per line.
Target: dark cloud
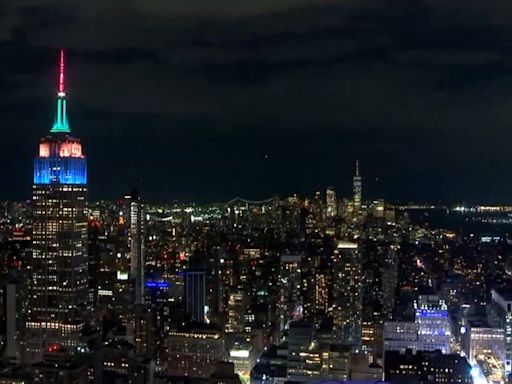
212 99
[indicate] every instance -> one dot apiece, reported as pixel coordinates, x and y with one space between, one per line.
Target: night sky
211 99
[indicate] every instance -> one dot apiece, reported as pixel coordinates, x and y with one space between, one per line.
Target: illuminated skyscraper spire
358 188
61 120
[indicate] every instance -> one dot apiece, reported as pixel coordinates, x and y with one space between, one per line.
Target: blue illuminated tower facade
58 306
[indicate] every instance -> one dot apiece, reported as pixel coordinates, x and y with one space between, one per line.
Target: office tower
426 367
389 274
331 202
59 366
303 359
271 366
119 364
500 316
378 208
364 369
94 231
290 304
13 316
482 342
159 303
321 291
434 326
347 294
372 333
237 309
136 238
145 338
400 336
244 357
58 307
195 295
357 188
194 352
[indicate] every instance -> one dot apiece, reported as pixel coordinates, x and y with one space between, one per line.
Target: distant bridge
230 202
241 199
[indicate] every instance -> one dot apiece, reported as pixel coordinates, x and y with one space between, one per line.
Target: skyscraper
290 302
136 240
434 325
331 202
357 188
347 294
195 295
58 305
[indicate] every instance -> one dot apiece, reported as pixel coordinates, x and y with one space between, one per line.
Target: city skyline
236 105
370 241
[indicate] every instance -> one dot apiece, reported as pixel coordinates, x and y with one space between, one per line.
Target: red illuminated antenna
62 91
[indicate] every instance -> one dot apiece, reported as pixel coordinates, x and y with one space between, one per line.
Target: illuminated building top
60 159
61 120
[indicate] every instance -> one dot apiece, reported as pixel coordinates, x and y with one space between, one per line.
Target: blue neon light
60 170
432 314
157 284
434 332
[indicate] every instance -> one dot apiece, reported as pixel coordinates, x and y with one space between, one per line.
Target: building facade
434 325
136 239
58 303
347 294
195 295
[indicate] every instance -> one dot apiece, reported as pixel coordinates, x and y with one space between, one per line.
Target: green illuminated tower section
60 124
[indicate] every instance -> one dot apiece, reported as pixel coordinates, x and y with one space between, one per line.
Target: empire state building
58 306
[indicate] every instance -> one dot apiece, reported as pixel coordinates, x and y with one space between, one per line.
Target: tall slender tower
331 202
347 294
137 244
358 188
58 305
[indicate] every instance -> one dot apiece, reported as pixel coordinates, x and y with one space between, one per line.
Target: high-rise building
303 359
400 336
321 291
243 356
13 301
145 340
426 367
347 294
195 295
357 188
290 303
59 366
136 238
434 325
500 316
58 305
483 342
194 352
237 309
331 202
